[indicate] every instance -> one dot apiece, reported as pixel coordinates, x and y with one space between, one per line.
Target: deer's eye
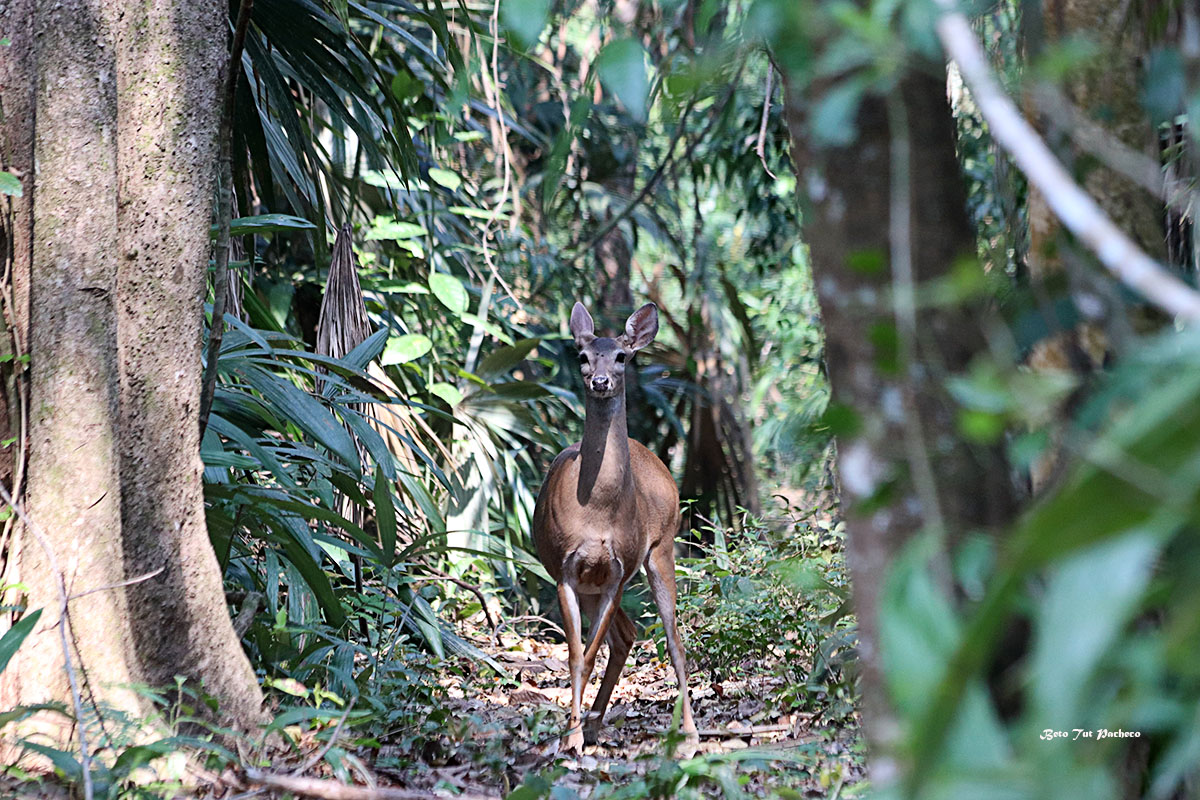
583 358
620 358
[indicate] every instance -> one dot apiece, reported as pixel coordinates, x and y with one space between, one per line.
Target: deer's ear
641 328
582 327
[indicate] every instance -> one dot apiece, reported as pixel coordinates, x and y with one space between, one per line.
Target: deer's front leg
568 600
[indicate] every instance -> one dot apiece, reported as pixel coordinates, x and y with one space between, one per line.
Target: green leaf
24 712
449 290
305 411
444 177
392 229
12 638
10 184
266 223
503 359
63 761
833 119
385 516
525 19
474 213
622 69
447 391
1086 604
403 349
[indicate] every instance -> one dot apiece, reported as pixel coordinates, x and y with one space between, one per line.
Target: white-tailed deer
609 506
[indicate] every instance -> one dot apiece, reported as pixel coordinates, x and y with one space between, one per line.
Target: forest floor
509 738
763 614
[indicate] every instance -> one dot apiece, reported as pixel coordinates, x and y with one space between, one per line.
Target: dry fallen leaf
524 695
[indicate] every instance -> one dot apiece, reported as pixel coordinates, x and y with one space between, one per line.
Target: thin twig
117 585
1071 204
1091 137
512 621
655 176
64 620
761 147
491 88
316 759
441 576
216 332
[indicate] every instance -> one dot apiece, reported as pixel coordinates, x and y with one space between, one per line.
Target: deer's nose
601 383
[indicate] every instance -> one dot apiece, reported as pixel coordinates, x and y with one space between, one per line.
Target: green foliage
777 598
14 636
1101 570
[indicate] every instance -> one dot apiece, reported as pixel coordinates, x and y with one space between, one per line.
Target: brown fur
608 508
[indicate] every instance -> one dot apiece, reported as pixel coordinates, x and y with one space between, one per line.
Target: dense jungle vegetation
286 358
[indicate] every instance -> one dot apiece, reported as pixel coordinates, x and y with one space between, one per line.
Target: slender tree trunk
125 145
846 194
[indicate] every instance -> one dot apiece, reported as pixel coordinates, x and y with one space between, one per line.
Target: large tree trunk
846 195
125 145
1107 91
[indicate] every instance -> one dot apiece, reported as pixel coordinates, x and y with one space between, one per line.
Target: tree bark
73 490
1108 91
169 67
126 152
846 195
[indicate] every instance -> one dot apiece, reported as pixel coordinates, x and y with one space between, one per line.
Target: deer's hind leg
621 636
660 574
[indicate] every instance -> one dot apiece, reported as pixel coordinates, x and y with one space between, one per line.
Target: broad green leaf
24 712
449 290
832 122
390 228
1086 604
63 761
367 349
622 69
385 516
10 184
402 349
503 359
447 391
493 329
266 223
525 19
12 638
384 180
445 177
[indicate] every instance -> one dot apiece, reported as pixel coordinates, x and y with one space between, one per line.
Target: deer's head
602 360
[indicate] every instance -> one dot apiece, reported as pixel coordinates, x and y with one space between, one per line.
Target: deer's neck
604 477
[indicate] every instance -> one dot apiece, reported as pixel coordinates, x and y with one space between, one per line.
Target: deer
608 507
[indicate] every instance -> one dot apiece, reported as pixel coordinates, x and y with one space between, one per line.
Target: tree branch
1071 204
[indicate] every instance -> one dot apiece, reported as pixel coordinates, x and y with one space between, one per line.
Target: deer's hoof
591 734
575 741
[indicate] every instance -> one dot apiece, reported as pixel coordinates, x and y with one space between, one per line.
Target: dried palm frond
343 324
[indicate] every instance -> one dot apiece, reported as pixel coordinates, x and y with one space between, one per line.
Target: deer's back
561 525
